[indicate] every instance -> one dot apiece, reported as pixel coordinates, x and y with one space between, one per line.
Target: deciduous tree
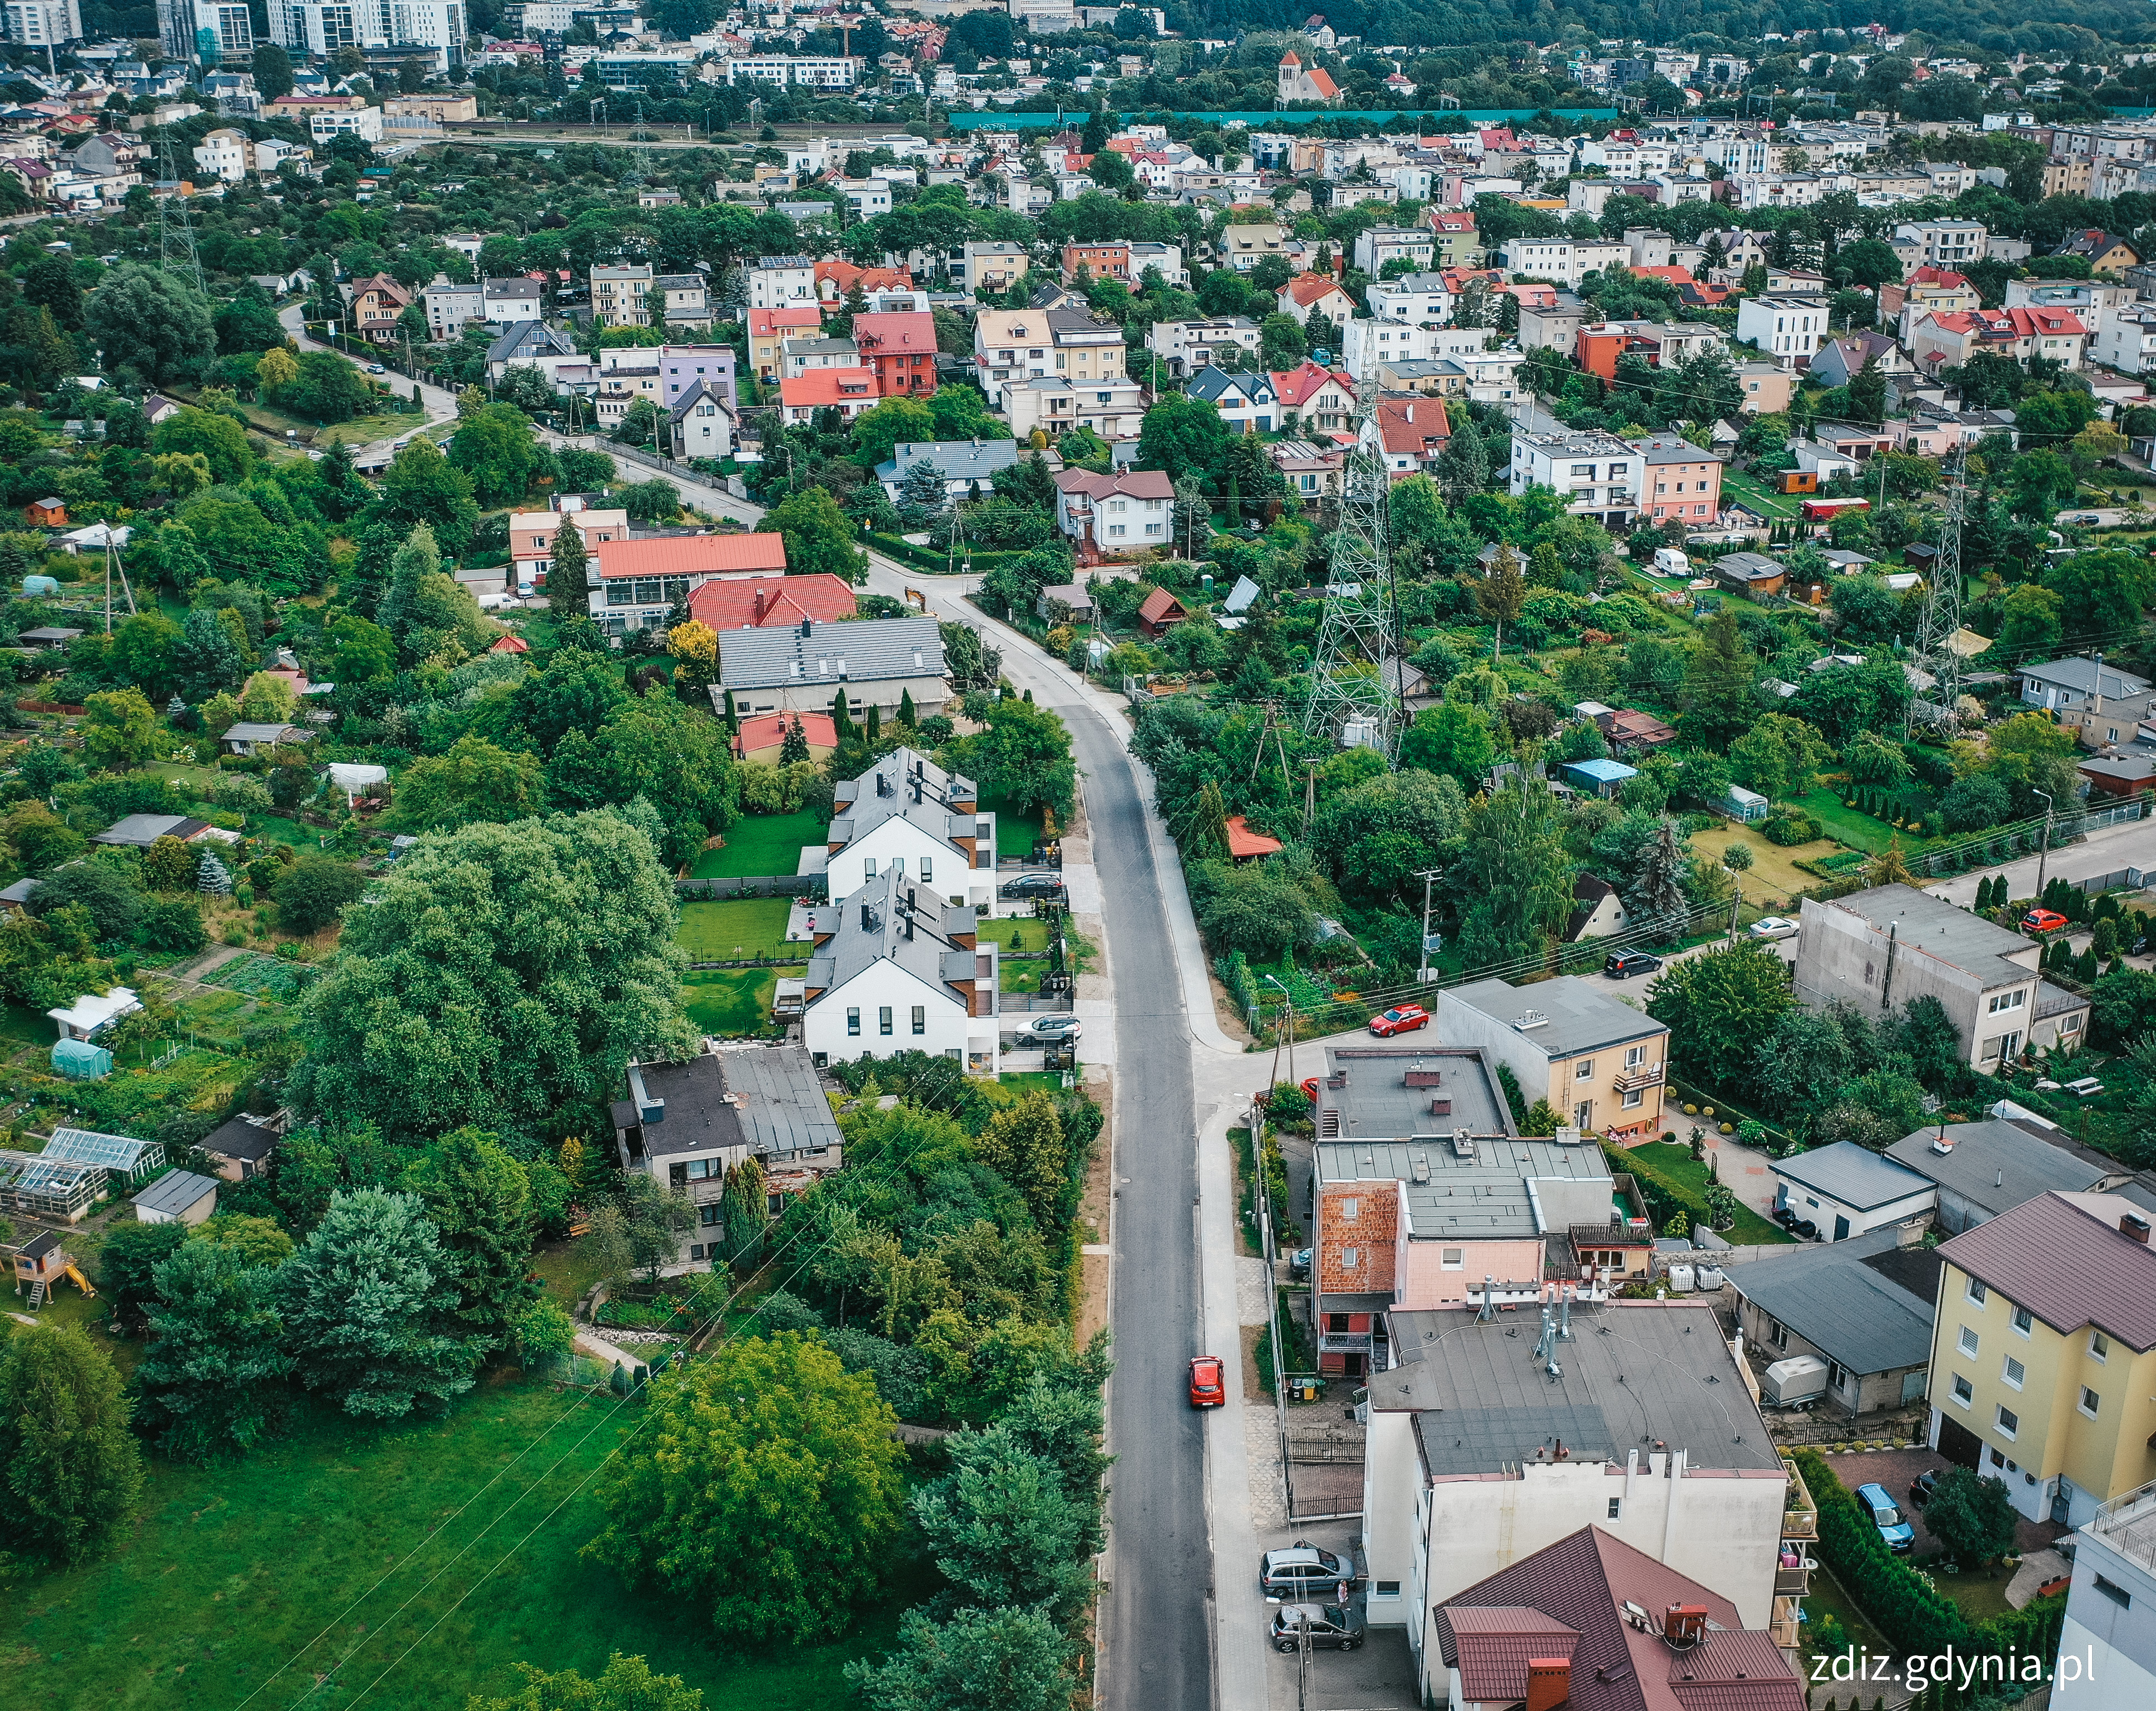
72 1471
765 1484
210 1379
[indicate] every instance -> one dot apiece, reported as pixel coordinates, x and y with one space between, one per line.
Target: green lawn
1735 484
1980 1595
760 845
1860 831
719 932
303 1559
1674 1167
1016 828
565 1269
731 1002
25 1026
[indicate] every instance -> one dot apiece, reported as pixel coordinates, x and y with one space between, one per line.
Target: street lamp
1422 974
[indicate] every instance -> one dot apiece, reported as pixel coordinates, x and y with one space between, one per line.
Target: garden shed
1602 777
177 1197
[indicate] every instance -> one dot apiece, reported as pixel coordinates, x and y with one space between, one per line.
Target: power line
889 1171
1355 672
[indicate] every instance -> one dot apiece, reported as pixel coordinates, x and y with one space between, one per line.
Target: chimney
759 605
807 625
1684 1626
1410 412
1549 1682
2096 705
2134 1226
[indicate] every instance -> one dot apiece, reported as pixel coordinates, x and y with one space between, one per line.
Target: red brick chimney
1549 1682
759 605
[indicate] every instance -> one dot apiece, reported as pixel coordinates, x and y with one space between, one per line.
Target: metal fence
802 884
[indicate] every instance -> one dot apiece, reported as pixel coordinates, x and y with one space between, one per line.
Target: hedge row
1663 1199
1914 1618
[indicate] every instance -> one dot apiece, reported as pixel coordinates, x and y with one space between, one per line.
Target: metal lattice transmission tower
1941 624
176 236
1354 688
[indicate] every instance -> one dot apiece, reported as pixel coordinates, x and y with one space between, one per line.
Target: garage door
1958 1444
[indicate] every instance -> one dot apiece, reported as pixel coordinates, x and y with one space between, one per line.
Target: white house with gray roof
896 968
1848 1190
874 662
2053 684
906 815
963 464
1879 950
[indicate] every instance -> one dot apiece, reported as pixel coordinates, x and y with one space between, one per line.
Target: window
2023 1319
1968 1342
1336 1322
2090 1401
928 870
1778 1334
1838 1376
2099 1345
1633 1100
852 1018
1963 1392
1350 1258
1977 1293
1350 1209
2014 1372
2117 1594
1583 1114
883 1019
708 1215
1616 1508
1584 1071
868 867
2009 1422
2008 1000
1388 1589
1636 1057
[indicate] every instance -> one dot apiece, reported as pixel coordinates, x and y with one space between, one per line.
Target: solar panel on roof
88 1146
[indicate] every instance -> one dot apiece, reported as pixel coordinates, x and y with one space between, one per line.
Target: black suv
1032 885
1623 965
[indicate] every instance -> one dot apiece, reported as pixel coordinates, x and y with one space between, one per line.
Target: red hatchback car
2043 921
1206 1389
1400 1019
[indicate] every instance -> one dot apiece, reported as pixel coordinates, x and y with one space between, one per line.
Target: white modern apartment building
322 27
1951 244
1185 346
1599 475
1367 343
1415 297
205 32
813 71
895 967
1787 328
781 281
43 24
2110 1630
2126 339
1566 260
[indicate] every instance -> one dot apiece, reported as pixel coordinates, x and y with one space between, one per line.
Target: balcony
1800 1513
1784 1625
1648 1075
1794 1583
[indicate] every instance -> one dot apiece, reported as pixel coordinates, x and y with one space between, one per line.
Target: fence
792 885
2129 879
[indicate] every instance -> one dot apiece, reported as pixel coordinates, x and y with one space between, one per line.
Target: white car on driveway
1774 927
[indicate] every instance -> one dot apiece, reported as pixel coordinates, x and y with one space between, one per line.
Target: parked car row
1301 1575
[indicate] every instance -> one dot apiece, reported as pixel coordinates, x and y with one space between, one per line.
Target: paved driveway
1896 1468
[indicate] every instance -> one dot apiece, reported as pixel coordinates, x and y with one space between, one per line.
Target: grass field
728 1002
1737 485
758 844
718 932
303 1560
566 1269
1774 875
1860 831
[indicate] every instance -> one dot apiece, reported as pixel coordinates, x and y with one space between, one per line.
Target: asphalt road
1156 1610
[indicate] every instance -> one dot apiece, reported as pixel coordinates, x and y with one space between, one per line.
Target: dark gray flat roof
1635 1372
172 1194
1998 1165
1576 1017
1484 1196
1377 1104
1855 1175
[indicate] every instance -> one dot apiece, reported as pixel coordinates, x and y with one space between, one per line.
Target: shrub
1787 826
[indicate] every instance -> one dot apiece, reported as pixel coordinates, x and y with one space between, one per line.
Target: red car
1309 1088
1400 1019
2043 921
1206 1390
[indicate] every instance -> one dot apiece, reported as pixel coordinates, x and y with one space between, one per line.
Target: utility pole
1422 974
1290 997
2043 850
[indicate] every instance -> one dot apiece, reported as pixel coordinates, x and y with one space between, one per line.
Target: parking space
1895 1469
1378 1676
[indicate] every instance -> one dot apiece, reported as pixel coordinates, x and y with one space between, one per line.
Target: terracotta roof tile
690 555
2064 1257
748 602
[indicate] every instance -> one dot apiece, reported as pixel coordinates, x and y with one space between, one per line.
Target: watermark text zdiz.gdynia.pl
1961 1670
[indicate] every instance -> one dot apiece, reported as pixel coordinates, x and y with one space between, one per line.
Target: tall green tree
154 323
368 1308
1514 866
501 977
1455 739
1004 1528
1972 1516
1023 1144
1022 755
480 1201
72 1471
765 1484
495 445
422 487
818 537
978 1660
212 1379
1719 705
1721 1006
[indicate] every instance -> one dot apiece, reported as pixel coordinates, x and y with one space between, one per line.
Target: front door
1583 1114
1841 1228
2062 1502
